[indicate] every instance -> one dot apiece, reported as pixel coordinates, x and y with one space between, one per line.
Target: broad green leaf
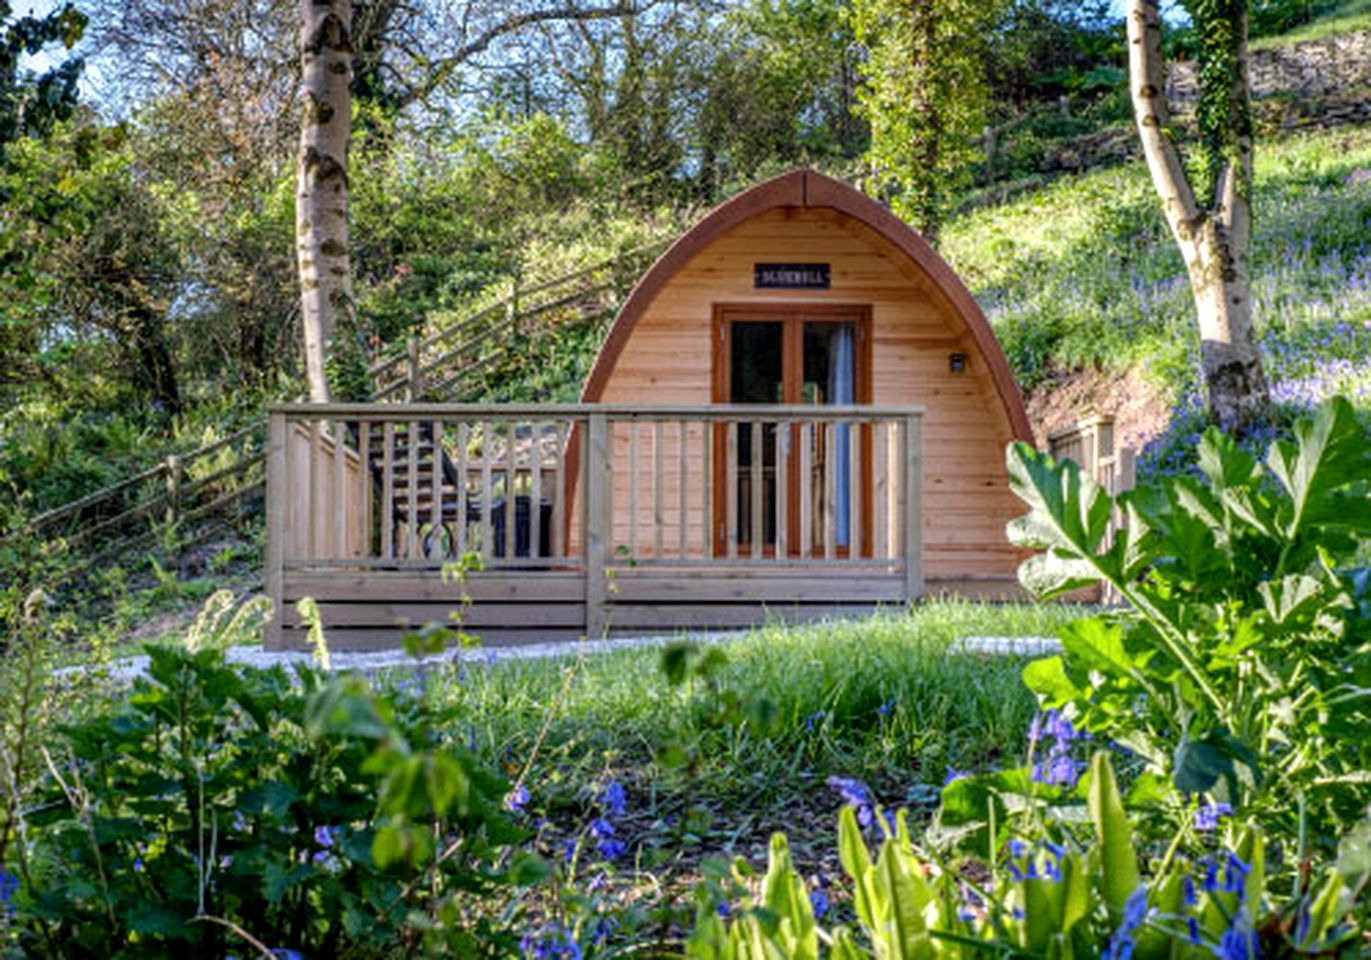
1096 644
1325 910
1224 462
783 893
1047 678
1066 510
1293 596
1114 838
1050 574
1331 452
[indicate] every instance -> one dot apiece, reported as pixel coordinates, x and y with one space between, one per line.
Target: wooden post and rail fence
582 519
190 496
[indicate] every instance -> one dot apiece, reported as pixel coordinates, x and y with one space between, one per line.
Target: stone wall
1315 68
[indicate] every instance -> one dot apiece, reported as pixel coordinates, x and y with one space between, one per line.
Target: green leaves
1116 863
1236 639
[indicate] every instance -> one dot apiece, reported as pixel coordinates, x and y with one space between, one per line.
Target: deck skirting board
373 610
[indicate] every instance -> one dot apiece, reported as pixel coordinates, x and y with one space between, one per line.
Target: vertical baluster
681 489
438 530
730 490
855 533
412 551
913 507
758 448
830 450
511 491
880 450
632 486
806 490
781 486
707 493
388 490
535 492
463 439
364 487
559 491
658 481
487 492
316 506
341 505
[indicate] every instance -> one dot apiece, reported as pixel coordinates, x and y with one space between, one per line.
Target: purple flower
855 794
326 836
601 828
612 798
1239 941
1123 940
885 708
953 775
1207 816
812 719
516 798
9 885
818 899
554 942
610 849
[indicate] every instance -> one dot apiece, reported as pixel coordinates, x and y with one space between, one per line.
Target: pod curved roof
809 188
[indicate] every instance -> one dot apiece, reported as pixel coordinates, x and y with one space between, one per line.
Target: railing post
597 532
912 485
173 467
273 575
414 382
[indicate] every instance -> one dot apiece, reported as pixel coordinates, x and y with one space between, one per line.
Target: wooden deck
587 519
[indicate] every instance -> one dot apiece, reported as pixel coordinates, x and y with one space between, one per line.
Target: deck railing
592 487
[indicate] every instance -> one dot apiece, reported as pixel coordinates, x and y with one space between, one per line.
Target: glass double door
794 355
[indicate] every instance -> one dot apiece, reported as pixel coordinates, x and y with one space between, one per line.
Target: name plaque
793 276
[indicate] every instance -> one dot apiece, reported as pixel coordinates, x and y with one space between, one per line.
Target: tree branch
442 68
1147 88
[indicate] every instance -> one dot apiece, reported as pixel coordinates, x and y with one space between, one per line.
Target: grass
1348 16
1085 272
882 699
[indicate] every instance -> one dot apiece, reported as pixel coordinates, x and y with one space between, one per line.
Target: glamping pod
802 290
799 412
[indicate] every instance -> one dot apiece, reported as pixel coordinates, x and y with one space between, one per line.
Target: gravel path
388 659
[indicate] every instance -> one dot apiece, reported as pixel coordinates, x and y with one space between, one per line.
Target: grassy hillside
1085 272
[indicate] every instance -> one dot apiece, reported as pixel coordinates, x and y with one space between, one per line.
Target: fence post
912 485
173 468
273 576
597 532
414 384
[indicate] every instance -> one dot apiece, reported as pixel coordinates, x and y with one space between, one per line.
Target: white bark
1213 239
321 211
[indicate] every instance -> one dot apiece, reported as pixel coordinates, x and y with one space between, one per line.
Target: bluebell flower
1192 927
954 774
516 798
602 928
818 900
1123 940
1207 816
613 799
885 708
724 910
9 885
601 829
855 794
1239 941
610 849
325 836
812 719
554 942
1188 891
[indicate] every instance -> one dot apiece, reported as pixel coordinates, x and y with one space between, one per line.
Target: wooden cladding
588 492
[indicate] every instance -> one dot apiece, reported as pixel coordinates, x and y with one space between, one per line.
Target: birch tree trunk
321 202
1213 237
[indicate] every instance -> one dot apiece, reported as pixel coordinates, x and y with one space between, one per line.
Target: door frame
793 315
